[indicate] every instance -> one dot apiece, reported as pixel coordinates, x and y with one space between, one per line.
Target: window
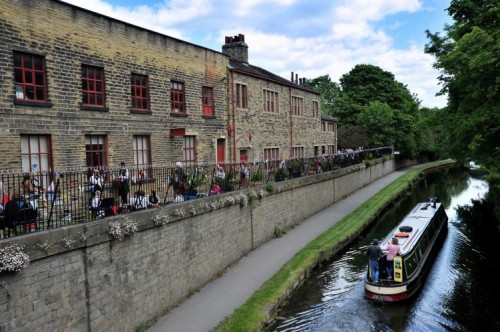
327 126
29 72
208 101
36 153
140 92
298 152
142 152
241 96
297 106
270 101
177 97
96 153
272 156
189 150
92 86
315 109
331 149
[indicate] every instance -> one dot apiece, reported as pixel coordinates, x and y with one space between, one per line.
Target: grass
255 312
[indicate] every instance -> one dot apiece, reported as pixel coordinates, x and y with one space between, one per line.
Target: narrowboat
419 236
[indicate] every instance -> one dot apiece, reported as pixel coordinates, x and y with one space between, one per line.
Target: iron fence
62 199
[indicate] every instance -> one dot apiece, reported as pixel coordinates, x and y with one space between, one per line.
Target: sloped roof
327 117
255 71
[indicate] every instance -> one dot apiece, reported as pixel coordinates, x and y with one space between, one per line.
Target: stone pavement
207 308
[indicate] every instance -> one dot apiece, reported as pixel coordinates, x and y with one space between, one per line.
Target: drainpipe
234 115
291 121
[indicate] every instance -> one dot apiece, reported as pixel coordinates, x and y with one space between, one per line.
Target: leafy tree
372 100
468 57
329 92
352 137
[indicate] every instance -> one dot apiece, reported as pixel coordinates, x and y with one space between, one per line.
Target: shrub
13 259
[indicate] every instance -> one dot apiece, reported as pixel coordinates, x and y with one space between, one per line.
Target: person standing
179 180
124 185
97 183
392 251
374 252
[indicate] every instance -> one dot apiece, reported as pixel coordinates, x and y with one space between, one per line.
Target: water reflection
459 294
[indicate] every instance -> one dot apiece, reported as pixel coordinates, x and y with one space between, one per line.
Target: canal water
461 292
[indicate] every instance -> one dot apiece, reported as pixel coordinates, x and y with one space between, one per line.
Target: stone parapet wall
81 279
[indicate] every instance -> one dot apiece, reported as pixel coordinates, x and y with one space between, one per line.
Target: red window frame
177 99
241 96
96 151
315 109
140 92
142 151
189 150
30 77
272 156
297 106
270 101
208 101
93 86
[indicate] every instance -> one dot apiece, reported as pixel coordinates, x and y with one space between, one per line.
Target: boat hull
393 291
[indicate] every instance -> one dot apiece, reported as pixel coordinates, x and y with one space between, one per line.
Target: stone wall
81 279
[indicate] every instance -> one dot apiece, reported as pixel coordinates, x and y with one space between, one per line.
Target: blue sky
307 37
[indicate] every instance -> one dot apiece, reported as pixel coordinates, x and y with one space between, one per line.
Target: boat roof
418 219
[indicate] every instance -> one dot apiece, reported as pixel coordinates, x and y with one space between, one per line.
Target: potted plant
280 175
297 168
194 182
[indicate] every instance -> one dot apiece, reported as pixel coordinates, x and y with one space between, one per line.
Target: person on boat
374 252
392 250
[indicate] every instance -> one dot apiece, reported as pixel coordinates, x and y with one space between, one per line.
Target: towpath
207 308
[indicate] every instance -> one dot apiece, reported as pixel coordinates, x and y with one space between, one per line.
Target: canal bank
250 278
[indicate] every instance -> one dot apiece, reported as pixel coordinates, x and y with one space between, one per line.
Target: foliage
329 92
196 180
467 57
372 108
271 186
257 176
279 232
13 259
119 229
227 183
297 165
280 174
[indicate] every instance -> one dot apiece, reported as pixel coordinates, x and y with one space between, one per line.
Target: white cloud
311 38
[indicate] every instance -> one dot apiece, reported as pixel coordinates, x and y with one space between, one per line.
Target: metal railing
62 199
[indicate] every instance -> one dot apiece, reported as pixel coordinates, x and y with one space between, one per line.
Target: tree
372 100
329 92
468 57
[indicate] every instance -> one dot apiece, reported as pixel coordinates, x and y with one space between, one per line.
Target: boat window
411 263
424 243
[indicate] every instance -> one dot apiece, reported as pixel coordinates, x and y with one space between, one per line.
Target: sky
311 38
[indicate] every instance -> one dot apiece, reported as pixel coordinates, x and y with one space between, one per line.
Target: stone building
272 118
81 90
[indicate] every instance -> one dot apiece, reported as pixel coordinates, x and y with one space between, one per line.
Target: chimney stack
236 48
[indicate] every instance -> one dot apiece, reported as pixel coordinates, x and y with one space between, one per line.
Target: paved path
207 308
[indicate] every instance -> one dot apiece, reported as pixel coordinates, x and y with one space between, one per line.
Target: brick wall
276 130
80 279
67 37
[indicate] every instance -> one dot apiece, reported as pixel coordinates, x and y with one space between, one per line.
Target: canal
461 291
